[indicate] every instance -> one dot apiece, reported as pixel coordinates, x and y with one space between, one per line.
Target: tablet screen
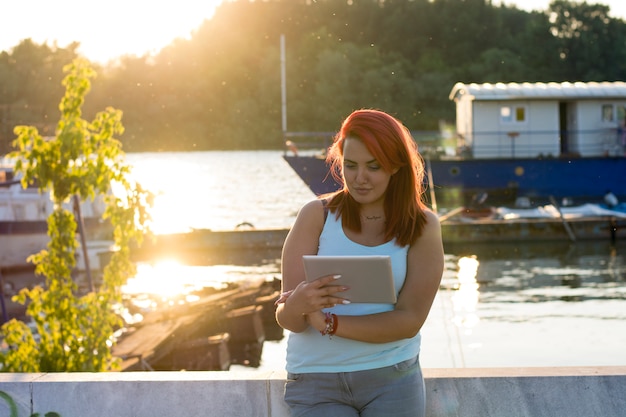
369 277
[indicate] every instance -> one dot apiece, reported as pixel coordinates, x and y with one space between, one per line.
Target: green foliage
30 84
73 331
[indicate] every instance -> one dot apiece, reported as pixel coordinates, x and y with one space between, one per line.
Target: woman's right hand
309 297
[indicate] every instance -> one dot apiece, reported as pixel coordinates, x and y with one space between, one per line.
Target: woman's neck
372 213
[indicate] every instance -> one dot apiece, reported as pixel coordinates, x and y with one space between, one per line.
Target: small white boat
552 212
23 221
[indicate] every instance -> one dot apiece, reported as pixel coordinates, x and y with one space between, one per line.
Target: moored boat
23 221
535 140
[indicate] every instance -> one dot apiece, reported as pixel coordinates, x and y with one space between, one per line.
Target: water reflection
544 304
552 271
169 282
465 298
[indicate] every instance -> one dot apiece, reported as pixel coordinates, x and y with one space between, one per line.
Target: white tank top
309 351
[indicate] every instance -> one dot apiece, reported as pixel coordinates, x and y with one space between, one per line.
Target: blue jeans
393 391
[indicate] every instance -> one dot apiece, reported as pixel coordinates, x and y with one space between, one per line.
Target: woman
365 362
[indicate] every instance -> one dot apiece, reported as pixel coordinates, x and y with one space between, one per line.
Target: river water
541 304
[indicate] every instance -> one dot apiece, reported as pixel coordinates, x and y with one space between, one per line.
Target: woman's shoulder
431 218
312 206
312 211
430 229
432 224
308 226
323 204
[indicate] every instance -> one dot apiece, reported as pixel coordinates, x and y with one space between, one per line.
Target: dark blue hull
457 181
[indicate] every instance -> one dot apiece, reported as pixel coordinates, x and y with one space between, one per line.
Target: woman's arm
424 271
305 298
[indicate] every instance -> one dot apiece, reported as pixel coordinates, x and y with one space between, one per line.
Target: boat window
505 114
513 114
607 112
621 113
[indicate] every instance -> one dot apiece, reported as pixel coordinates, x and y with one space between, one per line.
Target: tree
590 42
220 89
30 82
74 332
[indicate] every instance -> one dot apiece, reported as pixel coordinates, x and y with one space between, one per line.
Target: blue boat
536 141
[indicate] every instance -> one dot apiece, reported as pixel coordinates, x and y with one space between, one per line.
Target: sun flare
120 28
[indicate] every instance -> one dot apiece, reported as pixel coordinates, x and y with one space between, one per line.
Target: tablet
369 277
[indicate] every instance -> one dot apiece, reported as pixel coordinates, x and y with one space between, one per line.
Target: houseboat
533 141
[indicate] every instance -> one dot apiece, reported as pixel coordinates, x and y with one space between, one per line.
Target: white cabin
521 120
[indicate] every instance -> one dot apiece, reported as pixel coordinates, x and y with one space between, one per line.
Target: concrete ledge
497 392
526 392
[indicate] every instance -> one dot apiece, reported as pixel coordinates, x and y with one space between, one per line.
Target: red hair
391 143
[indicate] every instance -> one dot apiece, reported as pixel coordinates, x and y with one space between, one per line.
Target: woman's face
365 178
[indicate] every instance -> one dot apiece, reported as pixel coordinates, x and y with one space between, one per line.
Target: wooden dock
489 230
212 333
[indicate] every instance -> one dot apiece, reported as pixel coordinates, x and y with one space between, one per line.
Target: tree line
221 89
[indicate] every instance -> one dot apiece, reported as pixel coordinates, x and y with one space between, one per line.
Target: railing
547 143
503 143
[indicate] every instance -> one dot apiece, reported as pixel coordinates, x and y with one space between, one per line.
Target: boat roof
539 91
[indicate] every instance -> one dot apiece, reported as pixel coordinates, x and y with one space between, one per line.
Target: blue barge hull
579 179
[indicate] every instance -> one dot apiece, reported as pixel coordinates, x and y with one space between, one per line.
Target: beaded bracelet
335 325
329 325
331 321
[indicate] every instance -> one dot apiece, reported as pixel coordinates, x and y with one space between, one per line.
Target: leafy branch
73 331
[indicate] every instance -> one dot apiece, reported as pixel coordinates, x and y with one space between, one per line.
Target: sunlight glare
169 280
173 182
158 279
170 213
465 299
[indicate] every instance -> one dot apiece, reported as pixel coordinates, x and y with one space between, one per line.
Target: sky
112 28
105 29
617 7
